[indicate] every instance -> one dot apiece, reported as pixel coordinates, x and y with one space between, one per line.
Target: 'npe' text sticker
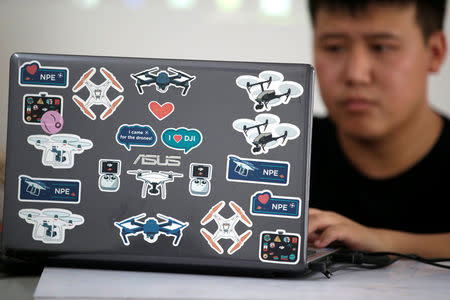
264 203
182 138
135 135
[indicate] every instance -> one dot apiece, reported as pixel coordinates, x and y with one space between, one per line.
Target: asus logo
155 160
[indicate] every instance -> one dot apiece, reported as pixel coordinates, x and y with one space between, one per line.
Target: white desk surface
402 280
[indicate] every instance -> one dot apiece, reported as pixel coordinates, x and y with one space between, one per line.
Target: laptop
158 163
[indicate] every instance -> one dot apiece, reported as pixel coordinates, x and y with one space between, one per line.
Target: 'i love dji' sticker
182 138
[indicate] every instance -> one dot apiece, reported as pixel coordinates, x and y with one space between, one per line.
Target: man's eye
381 48
333 48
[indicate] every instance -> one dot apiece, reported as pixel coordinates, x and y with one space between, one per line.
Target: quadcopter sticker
98 94
279 247
154 183
49 190
36 105
257 171
226 227
269 89
182 138
50 224
59 149
163 80
264 203
266 132
33 74
151 228
136 135
161 111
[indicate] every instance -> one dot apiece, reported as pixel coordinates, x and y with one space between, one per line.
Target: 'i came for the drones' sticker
279 247
257 171
136 135
264 203
49 190
33 74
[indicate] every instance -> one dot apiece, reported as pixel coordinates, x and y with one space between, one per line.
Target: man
381 161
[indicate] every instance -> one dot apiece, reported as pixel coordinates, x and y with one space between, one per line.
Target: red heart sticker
177 137
31 69
264 198
161 111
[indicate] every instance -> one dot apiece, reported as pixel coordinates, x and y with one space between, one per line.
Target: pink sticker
52 122
161 111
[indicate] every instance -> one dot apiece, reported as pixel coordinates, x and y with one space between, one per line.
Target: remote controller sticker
36 105
33 74
226 227
279 247
151 228
266 132
52 122
154 183
162 80
50 224
264 203
161 111
257 171
182 138
136 135
58 150
109 172
49 190
200 175
269 89
98 94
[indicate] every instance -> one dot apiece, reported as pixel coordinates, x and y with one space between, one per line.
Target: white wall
235 30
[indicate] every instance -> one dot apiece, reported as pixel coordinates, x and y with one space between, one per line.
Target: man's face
372 69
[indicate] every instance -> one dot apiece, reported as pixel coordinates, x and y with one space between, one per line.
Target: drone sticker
200 175
154 183
49 190
33 74
109 171
50 224
226 227
136 135
163 80
264 203
151 228
36 105
182 138
161 111
97 93
279 247
59 149
266 132
269 89
257 171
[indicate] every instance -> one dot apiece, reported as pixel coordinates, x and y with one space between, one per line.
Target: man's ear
437 46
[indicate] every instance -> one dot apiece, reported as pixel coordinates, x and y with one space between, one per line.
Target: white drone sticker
50 224
266 132
269 89
97 93
226 227
59 149
152 180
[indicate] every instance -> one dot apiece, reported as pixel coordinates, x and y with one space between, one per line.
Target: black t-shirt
414 201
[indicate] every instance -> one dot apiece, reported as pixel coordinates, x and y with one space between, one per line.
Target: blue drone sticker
151 228
163 80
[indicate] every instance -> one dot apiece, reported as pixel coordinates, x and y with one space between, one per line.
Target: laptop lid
158 162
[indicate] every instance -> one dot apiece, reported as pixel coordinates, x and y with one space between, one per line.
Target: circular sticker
52 122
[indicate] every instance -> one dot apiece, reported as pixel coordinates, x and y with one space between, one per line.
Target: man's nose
358 66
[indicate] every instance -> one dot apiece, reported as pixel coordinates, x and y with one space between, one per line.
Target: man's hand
326 227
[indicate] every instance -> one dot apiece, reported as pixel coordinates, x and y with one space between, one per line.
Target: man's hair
429 13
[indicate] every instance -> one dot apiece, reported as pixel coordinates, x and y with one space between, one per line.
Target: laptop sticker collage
59 150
